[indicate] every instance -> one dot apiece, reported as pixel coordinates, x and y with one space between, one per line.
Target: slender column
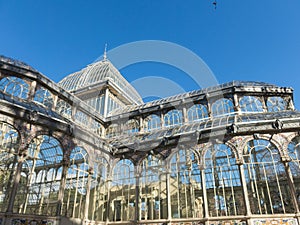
106 95
121 127
73 113
124 212
41 202
42 192
151 208
290 105
184 115
237 108
162 121
291 186
96 195
29 181
88 191
90 121
55 98
137 195
32 90
141 125
245 190
205 200
62 187
209 112
75 197
168 195
10 183
15 185
264 104
109 180
103 131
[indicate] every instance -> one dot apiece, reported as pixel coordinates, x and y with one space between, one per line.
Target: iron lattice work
94 153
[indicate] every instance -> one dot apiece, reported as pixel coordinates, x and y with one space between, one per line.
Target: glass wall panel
14 86
222 107
186 185
294 153
63 108
197 112
82 118
153 190
122 192
173 118
99 190
9 144
44 97
152 122
38 189
276 104
250 104
77 177
223 183
131 126
113 103
265 174
97 103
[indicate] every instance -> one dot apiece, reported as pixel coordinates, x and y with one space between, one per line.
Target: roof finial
104 54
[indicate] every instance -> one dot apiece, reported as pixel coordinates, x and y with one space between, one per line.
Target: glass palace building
88 150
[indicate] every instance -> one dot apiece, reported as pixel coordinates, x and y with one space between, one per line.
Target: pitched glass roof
98 72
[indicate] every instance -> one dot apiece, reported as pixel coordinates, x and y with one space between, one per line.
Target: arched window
250 104
173 118
222 107
186 185
99 190
77 177
294 153
223 183
63 108
131 126
38 189
265 174
152 122
14 86
44 97
276 104
153 197
122 192
197 112
9 145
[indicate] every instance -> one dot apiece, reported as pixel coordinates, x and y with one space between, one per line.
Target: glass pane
222 106
250 104
223 183
186 185
266 179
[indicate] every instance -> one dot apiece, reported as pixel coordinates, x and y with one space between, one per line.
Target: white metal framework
228 154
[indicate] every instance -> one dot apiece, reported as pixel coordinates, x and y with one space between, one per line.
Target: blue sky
241 40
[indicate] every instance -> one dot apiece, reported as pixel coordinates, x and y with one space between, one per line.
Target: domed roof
98 72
